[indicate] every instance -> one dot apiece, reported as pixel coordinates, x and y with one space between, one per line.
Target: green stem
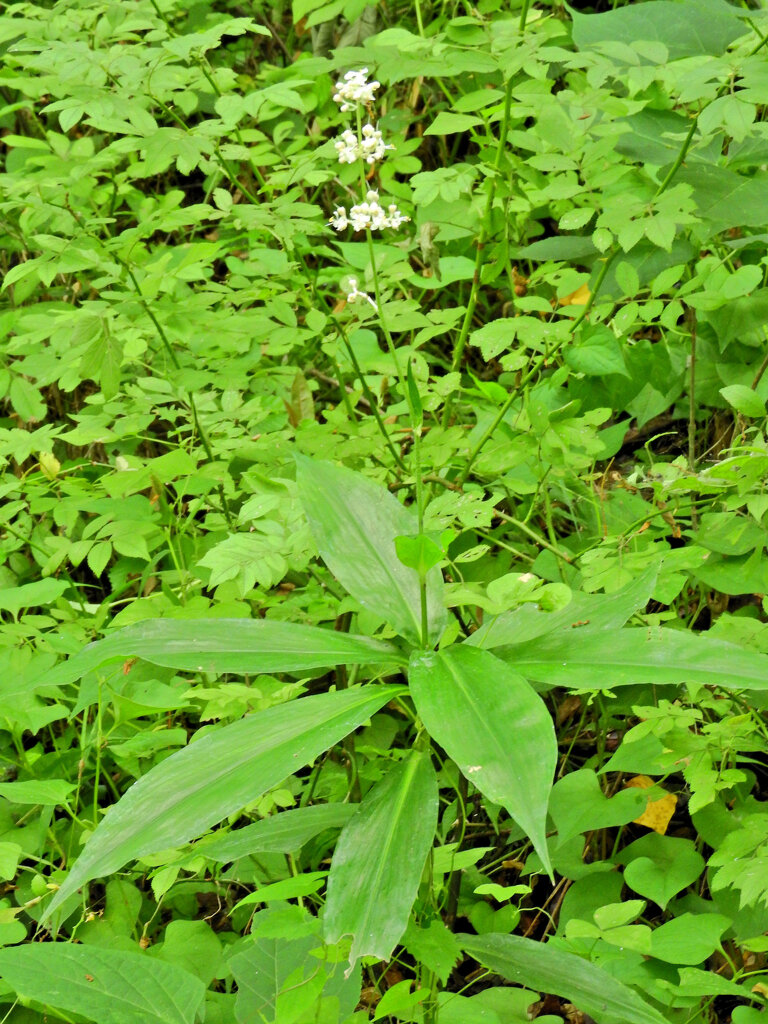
524 15
382 319
420 515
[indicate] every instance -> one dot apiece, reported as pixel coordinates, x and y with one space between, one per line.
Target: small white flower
348 147
354 89
395 217
339 218
371 147
355 295
368 214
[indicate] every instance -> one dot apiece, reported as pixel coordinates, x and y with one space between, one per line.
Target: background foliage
433 626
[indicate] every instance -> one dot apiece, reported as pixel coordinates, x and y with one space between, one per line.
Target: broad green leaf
216 776
355 523
435 946
597 355
547 969
47 792
600 661
726 199
448 123
26 400
659 867
379 860
286 889
494 726
227 645
744 400
559 247
31 595
687 29
590 612
280 833
689 939
103 984
578 805
282 974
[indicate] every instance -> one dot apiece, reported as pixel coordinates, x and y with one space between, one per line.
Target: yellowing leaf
578 298
658 813
49 465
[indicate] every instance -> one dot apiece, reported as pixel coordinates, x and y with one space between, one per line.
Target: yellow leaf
49 465
578 298
658 813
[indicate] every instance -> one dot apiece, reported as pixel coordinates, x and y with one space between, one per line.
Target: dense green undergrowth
383 621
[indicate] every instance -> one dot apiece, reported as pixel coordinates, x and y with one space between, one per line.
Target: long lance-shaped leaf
589 613
379 859
495 727
280 833
228 645
354 522
598 661
217 775
556 972
103 984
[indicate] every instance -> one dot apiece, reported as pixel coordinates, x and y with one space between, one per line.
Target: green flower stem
382 318
320 300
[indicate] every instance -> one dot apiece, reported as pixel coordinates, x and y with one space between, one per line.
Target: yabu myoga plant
473 704
163 225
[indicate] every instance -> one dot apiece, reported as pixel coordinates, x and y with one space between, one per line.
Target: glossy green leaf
689 938
227 645
585 612
600 661
103 984
743 400
216 776
280 833
494 726
379 860
355 523
543 967
659 867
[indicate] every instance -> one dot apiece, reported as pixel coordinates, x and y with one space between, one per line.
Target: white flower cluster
354 90
368 214
369 147
366 144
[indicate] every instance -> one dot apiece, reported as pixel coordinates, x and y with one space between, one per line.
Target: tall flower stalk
364 143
